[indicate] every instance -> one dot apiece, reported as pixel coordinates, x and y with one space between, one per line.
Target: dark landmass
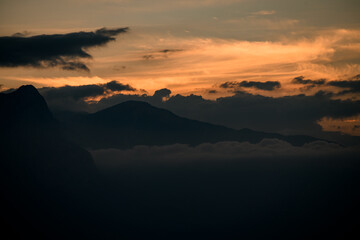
51 188
133 123
43 175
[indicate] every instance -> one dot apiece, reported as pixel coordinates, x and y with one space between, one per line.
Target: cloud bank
228 188
178 153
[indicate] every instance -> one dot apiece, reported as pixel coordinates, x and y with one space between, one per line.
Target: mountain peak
24 105
27 89
28 92
132 123
133 104
132 111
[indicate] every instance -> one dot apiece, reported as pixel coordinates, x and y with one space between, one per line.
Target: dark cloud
162 54
352 86
162 93
170 50
57 50
73 92
229 85
355 78
308 83
116 86
74 96
21 34
267 86
111 32
148 57
212 91
302 80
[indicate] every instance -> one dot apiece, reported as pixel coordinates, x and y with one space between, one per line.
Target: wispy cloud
267 86
264 12
209 61
264 23
205 63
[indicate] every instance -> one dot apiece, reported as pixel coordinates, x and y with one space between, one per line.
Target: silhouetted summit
139 115
138 123
39 167
24 106
31 139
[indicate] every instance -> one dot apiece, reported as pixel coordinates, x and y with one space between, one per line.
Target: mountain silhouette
42 173
51 190
31 136
138 123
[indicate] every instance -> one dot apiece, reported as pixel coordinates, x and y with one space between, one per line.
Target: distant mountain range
122 126
138 123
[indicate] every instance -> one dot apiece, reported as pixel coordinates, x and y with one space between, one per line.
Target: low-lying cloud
221 151
228 186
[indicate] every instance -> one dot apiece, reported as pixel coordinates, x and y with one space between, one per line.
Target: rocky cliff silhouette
42 173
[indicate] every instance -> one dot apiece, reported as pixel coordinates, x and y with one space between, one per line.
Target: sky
209 48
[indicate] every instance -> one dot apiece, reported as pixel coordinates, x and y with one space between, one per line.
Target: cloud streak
264 12
57 50
266 86
352 85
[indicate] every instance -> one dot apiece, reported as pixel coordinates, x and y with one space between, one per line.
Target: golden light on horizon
349 125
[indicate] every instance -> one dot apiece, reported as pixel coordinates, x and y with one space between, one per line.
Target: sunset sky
211 48
180 119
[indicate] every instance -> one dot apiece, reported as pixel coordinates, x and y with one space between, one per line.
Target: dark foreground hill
42 173
32 141
138 123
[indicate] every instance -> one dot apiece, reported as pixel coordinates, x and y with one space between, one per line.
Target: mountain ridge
132 123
